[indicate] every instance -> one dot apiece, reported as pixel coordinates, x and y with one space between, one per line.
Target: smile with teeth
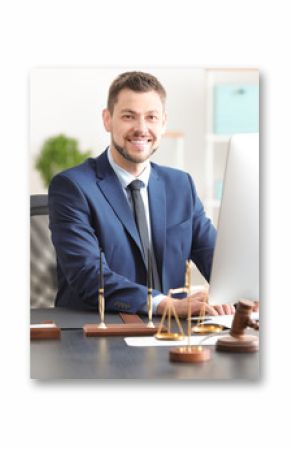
139 142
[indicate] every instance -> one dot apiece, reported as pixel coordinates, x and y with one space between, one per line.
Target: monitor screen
235 269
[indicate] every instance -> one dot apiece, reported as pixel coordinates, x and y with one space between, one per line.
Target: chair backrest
43 280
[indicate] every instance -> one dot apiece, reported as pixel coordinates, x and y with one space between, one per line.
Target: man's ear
107 119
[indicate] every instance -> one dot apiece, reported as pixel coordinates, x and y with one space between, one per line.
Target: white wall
70 101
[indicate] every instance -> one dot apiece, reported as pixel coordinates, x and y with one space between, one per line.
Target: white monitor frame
235 269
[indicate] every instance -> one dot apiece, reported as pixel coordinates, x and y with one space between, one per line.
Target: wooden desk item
191 354
47 330
237 341
132 325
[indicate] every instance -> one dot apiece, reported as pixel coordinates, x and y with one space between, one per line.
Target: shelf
174 135
231 101
217 138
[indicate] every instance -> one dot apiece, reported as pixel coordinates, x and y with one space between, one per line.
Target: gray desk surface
68 318
75 356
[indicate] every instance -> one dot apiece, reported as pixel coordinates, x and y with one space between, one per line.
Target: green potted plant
58 153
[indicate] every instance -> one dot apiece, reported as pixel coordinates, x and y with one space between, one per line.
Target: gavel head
242 317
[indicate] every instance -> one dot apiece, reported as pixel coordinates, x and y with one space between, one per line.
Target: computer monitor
235 269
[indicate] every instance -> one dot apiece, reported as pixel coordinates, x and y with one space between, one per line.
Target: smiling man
136 123
140 214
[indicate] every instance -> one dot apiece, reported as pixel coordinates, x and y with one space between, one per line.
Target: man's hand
198 301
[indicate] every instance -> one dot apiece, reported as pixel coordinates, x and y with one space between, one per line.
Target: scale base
244 343
189 354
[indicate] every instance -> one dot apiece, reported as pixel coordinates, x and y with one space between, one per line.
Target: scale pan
207 328
169 336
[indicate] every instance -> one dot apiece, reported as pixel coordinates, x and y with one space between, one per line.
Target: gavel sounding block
46 330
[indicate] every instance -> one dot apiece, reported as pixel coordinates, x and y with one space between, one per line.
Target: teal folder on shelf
236 108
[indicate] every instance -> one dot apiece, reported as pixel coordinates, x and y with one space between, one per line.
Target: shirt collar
125 177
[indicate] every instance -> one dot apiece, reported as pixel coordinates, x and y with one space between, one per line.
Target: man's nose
141 126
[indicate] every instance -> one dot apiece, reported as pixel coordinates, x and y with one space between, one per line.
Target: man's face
136 125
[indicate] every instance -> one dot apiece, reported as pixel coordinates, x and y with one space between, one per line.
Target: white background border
131 413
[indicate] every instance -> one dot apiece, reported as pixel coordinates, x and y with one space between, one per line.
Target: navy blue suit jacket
88 210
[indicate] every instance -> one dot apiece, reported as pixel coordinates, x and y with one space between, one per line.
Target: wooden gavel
242 318
237 341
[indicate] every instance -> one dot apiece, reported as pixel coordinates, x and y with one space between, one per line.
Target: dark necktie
141 222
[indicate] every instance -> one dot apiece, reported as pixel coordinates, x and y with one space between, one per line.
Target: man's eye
153 118
127 116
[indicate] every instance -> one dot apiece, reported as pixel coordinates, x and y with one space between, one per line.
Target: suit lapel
157 205
113 192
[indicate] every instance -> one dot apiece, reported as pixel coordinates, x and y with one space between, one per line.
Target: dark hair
136 81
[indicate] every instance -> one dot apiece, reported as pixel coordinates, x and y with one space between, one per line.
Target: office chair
43 279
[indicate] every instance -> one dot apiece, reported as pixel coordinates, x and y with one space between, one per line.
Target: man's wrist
156 301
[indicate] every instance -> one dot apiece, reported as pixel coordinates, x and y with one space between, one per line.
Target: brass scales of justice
132 325
189 353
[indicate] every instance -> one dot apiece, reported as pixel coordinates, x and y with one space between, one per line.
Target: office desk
75 356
